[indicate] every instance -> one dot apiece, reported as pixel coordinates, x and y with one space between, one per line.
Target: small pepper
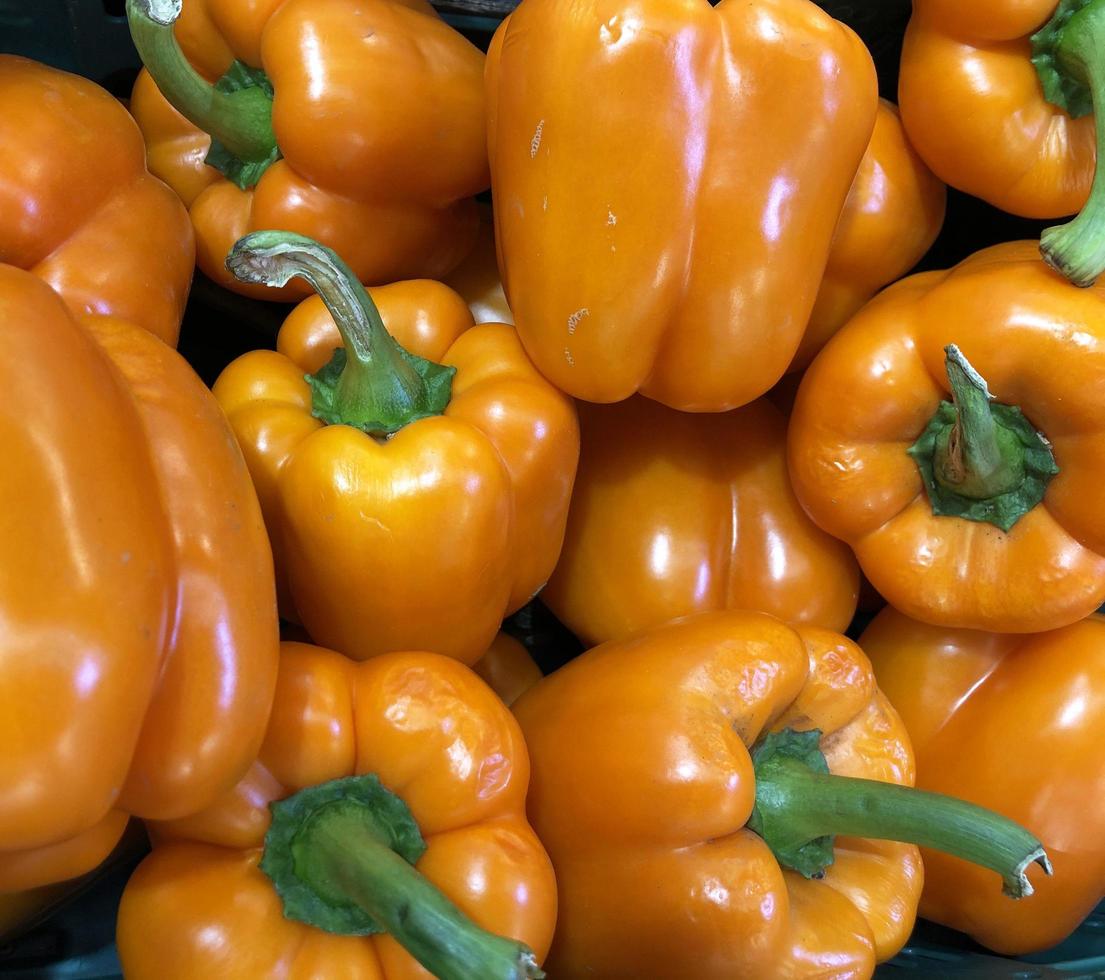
412 504
718 799
952 434
382 823
359 124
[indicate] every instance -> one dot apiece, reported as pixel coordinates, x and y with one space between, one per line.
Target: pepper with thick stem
688 783
444 487
315 866
318 116
928 490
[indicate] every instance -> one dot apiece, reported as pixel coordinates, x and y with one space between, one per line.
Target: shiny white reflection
659 556
775 211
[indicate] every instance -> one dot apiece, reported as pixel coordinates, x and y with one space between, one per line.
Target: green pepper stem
801 806
348 856
979 459
377 386
1077 249
241 120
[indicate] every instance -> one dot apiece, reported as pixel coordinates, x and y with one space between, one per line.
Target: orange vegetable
477 278
633 257
998 98
360 124
953 507
674 513
891 216
508 668
78 207
1012 723
411 504
136 589
687 783
441 760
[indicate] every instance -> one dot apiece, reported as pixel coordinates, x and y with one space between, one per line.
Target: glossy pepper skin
78 207
892 214
1013 723
642 786
139 628
633 257
508 668
425 540
973 106
430 729
675 513
1040 344
378 114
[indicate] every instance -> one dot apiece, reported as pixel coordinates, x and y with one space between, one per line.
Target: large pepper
892 215
674 513
688 783
667 178
360 124
443 776
998 98
948 495
139 631
78 207
411 504
1012 723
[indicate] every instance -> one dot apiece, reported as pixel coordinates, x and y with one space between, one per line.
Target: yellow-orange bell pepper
675 513
78 207
667 177
951 502
412 504
892 215
443 773
508 668
136 600
360 124
688 782
999 97
1013 723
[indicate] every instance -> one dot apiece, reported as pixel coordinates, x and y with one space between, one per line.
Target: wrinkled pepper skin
973 107
1013 723
198 906
139 622
427 540
674 513
1040 344
78 207
642 786
677 254
892 215
378 113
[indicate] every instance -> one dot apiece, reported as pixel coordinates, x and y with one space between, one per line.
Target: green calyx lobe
1069 55
800 808
236 111
1062 87
341 857
371 383
978 459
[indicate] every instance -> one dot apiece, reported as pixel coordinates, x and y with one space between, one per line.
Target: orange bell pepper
664 219
360 124
1012 723
78 207
477 278
998 98
953 507
140 631
443 776
688 783
411 504
892 215
674 513
508 668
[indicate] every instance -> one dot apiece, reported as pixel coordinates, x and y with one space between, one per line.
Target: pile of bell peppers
821 536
